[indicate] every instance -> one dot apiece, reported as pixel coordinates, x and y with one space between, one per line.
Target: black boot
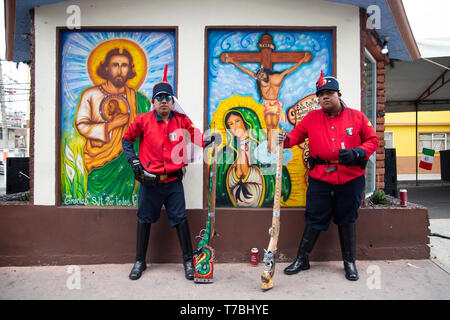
348 246
184 236
143 234
309 238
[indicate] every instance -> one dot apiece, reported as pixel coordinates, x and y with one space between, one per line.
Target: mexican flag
426 161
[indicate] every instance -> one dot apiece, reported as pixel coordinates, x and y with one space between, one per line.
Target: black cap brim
162 87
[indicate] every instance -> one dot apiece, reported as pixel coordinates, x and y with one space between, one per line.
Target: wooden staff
274 231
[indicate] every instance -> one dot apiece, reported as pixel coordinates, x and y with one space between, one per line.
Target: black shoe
184 236
348 248
309 238
143 234
138 268
350 271
301 263
189 269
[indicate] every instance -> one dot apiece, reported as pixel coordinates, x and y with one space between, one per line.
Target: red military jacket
162 144
327 134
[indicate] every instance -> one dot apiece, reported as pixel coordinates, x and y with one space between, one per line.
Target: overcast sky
428 19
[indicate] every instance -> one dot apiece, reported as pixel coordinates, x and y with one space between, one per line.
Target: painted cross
267 55
268 82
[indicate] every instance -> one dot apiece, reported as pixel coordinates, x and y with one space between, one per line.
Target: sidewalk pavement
439 246
379 280
387 280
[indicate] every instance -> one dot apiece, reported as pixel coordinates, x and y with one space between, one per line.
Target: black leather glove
348 157
137 167
215 137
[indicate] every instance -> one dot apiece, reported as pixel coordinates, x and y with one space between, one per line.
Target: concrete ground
433 194
439 246
400 279
381 279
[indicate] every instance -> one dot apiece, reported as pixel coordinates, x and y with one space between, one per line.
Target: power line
21 88
14 83
6 101
15 87
9 91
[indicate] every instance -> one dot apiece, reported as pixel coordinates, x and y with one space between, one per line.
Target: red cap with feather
326 83
164 86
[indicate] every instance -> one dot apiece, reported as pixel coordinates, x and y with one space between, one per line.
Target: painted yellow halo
217 121
98 55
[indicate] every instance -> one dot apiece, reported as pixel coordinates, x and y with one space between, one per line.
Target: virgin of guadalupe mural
272 73
117 67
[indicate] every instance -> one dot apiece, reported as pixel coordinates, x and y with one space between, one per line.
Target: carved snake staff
274 231
204 255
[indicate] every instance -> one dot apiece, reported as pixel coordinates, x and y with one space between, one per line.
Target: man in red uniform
159 166
341 140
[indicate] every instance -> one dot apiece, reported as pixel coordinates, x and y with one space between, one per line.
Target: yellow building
434 133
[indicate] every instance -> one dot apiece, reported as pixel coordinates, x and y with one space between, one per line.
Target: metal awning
424 82
421 85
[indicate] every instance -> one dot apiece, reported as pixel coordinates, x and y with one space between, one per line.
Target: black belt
317 161
178 174
327 162
151 176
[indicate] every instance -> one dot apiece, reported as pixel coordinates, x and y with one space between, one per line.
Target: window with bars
389 139
436 141
370 103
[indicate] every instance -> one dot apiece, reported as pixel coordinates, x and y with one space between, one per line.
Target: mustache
118 81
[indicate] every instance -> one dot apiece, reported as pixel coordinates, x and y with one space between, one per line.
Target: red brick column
381 107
